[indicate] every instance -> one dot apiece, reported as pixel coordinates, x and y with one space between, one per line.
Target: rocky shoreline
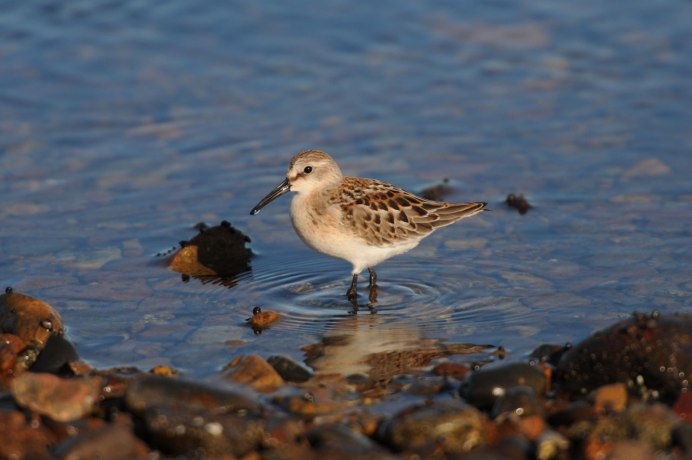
621 393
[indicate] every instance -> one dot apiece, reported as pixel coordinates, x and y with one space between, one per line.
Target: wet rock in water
437 192
518 202
289 370
60 399
484 386
112 442
261 320
23 439
214 251
651 354
55 356
254 371
518 401
33 320
337 441
192 431
154 391
454 426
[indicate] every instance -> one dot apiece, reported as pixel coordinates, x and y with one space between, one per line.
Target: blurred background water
123 124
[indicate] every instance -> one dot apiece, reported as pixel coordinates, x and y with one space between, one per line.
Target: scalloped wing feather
386 215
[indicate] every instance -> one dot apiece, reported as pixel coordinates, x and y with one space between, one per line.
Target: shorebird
362 221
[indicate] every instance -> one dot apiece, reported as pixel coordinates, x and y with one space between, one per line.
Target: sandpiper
362 221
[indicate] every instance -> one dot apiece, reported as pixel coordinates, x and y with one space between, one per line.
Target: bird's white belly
327 234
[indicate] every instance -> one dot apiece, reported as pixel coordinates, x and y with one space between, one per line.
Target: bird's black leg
352 292
372 296
373 277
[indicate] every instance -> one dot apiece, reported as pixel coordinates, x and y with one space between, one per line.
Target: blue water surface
123 124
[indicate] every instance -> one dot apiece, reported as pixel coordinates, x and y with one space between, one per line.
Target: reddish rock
683 407
21 439
58 398
111 442
10 364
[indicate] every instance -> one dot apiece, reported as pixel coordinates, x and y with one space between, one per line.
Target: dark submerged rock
155 391
486 385
652 354
55 356
215 251
191 431
518 202
437 192
289 370
520 400
337 441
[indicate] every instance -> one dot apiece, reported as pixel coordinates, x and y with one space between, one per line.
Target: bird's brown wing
384 214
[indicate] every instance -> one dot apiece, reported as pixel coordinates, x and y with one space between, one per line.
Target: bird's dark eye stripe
307 170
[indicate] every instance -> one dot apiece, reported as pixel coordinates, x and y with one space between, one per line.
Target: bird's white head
312 169
308 171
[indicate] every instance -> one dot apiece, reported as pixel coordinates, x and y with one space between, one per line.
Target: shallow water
123 125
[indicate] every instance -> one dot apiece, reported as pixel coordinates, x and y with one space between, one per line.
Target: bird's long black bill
280 189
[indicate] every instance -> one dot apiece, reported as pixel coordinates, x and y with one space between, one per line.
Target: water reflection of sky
123 125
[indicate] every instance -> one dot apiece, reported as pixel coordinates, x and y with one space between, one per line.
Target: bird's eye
307 170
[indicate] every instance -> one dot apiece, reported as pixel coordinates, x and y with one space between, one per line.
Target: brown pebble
186 261
254 371
111 442
261 320
164 370
453 370
610 398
